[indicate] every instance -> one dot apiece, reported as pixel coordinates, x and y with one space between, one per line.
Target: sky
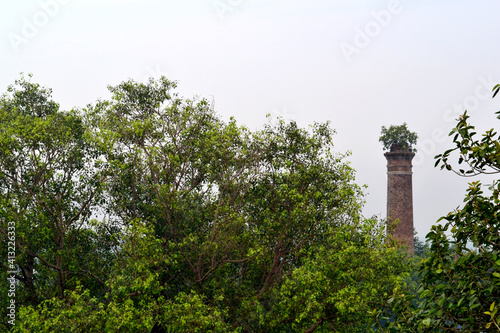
359 64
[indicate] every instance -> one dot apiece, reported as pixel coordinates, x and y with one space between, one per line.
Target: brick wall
400 197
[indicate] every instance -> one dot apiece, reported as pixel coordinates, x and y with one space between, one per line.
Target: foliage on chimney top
397 138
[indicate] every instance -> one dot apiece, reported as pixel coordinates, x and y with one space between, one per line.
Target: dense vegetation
147 212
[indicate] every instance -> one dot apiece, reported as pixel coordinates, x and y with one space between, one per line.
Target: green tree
49 182
398 137
342 283
421 247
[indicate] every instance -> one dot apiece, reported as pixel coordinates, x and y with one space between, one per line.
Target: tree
342 283
49 182
421 247
460 285
398 137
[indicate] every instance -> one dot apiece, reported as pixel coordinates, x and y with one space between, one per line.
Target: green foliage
342 283
210 227
189 313
398 138
479 156
459 283
129 306
50 182
421 247
78 312
460 278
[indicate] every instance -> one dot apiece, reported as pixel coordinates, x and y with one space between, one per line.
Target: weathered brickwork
399 196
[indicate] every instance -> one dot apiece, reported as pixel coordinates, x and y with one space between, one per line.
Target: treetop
397 138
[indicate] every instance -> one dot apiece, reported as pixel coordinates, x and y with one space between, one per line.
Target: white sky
359 64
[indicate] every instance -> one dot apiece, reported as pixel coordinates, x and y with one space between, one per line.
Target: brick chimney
399 195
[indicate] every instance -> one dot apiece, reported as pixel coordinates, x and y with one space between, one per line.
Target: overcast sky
358 64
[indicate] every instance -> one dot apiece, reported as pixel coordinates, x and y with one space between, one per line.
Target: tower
399 195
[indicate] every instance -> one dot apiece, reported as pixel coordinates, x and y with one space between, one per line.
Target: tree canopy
148 212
